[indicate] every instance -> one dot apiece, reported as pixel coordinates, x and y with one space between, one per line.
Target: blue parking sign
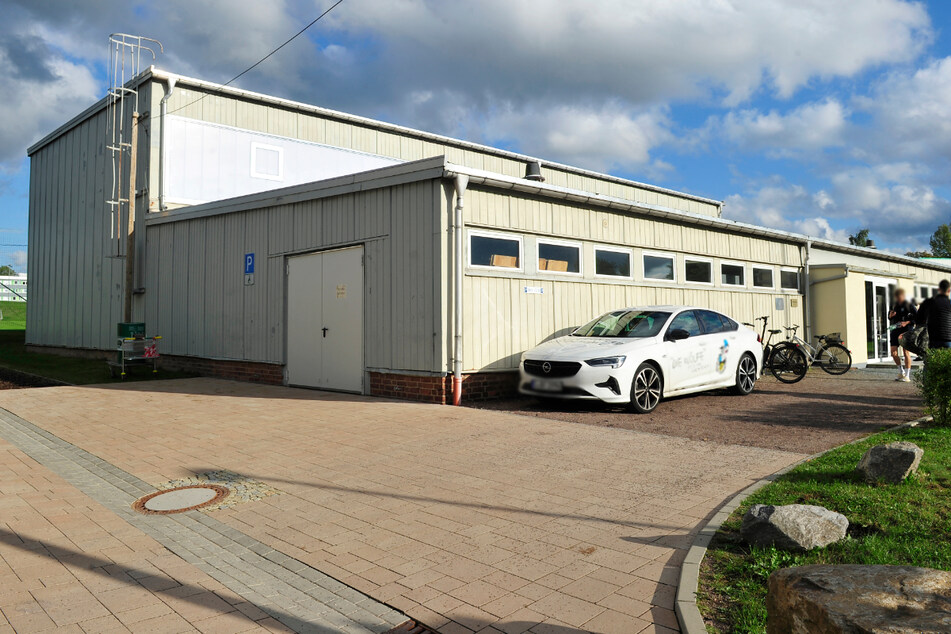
248 263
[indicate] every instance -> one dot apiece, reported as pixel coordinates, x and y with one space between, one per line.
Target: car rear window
711 321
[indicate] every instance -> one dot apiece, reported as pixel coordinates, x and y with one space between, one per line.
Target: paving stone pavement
295 594
466 520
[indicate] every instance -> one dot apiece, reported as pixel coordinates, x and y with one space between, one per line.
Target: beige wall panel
365 140
216 109
312 129
282 123
250 116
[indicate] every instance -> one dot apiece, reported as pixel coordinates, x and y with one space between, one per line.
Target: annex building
281 242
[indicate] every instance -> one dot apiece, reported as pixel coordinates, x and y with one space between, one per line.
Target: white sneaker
906 378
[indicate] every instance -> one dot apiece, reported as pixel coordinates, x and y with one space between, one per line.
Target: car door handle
325 332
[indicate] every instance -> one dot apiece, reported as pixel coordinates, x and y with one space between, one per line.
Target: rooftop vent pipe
871 244
533 172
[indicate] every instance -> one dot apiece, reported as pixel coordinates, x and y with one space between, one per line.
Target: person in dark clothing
935 313
902 318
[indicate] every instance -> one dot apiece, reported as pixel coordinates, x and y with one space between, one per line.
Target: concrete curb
685 603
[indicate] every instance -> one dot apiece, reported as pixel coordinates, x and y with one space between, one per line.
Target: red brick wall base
251 371
480 386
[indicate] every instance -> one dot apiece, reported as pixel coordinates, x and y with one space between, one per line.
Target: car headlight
607 362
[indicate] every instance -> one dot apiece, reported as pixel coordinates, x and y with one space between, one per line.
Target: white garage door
325 320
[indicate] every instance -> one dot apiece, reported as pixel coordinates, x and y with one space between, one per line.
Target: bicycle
785 361
831 355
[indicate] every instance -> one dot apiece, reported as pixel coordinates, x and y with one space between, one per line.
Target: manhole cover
180 499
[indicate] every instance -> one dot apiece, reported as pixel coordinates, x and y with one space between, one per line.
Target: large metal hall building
281 242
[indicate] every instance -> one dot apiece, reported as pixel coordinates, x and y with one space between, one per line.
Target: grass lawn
905 524
14 355
14 315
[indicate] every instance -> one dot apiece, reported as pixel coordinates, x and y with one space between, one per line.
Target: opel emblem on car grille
546 367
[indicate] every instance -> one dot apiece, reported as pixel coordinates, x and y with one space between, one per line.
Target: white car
641 355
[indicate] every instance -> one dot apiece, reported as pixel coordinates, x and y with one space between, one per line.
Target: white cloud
33 106
784 207
810 127
910 114
641 51
601 138
889 200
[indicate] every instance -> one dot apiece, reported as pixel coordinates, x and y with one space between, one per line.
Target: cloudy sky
808 115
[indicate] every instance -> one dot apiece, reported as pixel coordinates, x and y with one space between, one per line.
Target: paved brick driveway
467 520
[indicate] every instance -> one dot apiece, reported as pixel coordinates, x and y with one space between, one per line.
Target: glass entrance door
878 294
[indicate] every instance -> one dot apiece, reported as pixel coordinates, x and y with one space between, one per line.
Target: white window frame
501 236
659 254
697 258
732 263
788 269
560 243
255 146
630 259
772 274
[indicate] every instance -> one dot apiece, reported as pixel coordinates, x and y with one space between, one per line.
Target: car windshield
625 323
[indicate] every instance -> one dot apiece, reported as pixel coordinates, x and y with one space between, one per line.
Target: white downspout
169 89
462 181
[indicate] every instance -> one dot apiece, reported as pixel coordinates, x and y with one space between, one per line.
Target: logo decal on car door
721 360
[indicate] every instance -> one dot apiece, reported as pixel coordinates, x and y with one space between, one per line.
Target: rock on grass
795 527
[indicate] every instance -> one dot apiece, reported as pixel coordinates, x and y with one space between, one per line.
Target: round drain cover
180 499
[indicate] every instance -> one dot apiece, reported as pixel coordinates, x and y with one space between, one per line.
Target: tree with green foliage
860 238
919 254
941 242
6 269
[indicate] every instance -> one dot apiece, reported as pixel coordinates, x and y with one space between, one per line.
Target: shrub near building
934 383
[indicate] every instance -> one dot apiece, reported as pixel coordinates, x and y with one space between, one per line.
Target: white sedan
641 355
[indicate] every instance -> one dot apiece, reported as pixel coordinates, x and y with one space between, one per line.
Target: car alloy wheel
745 375
647 388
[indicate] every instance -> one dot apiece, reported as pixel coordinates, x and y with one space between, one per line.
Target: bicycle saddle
775 332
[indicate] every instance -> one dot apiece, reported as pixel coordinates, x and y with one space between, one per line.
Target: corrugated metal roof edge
160 74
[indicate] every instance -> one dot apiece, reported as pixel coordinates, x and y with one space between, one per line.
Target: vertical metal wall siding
78 287
501 320
311 126
204 309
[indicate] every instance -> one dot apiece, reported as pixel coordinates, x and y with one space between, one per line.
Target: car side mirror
677 335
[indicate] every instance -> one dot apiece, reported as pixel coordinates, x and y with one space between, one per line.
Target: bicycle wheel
834 359
788 363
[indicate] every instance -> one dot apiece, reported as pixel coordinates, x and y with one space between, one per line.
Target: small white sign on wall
534 290
780 303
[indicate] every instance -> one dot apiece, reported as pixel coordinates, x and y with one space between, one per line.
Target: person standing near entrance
935 313
902 318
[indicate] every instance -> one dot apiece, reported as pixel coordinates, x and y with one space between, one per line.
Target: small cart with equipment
133 348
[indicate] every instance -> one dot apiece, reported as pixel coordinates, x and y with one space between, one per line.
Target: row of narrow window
490 250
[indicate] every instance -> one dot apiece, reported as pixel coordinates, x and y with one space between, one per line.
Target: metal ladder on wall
122 119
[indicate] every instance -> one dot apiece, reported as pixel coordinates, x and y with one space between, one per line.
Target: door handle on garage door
325 332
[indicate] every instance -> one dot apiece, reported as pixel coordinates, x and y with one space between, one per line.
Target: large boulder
890 463
796 527
853 599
